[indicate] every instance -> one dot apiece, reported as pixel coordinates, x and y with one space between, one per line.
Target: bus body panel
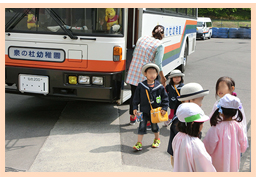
178 31
95 56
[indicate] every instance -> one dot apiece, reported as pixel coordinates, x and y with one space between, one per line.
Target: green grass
230 24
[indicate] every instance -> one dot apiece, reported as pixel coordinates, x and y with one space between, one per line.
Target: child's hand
135 112
163 112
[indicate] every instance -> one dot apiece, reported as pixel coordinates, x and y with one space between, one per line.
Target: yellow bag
156 115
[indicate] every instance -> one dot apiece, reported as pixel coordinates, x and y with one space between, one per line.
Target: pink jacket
225 142
243 123
190 155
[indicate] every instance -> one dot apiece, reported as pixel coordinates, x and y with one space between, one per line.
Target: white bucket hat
191 112
175 73
229 101
192 91
146 66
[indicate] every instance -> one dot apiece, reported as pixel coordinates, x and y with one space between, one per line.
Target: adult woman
148 49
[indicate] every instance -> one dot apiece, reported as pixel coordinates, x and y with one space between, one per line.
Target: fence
231 23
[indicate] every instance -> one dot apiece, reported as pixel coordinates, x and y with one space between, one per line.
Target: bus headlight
97 80
84 80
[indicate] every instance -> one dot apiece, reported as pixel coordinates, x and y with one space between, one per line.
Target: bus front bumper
59 86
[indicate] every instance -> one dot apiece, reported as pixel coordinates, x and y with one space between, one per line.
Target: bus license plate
33 84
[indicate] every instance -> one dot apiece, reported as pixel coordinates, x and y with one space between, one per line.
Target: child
190 154
189 93
225 140
173 90
159 98
226 85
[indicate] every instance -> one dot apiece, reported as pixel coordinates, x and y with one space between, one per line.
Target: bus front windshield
78 21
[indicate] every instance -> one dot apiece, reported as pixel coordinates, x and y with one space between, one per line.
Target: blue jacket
157 94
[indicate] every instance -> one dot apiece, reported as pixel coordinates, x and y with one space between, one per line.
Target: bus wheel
185 59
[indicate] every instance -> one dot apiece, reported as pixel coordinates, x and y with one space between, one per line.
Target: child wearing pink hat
225 140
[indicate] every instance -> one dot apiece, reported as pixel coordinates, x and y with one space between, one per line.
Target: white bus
84 53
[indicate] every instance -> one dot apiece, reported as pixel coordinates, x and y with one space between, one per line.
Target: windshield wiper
60 22
16 19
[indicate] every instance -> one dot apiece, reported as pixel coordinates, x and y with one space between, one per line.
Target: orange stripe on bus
106 66
177 45
171 47
191 22
73 64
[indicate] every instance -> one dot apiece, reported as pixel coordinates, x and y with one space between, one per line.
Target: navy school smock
157 94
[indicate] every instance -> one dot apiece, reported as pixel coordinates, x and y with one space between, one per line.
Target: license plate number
33 84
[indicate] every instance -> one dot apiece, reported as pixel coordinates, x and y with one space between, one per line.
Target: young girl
190 154
225 140
173 90
226 85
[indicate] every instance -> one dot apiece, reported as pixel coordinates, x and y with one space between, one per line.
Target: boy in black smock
158 98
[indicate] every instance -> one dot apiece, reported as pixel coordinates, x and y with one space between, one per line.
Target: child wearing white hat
190 154
189 93
225 140
173 90
158 98
226 85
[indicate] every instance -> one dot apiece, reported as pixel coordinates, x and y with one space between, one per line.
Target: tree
225 13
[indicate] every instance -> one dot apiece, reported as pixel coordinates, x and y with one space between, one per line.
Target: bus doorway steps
126 95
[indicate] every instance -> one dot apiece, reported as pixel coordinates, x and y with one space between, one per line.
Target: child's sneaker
156 143
138 146
132 120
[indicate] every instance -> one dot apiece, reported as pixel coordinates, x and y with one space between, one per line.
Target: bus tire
185 59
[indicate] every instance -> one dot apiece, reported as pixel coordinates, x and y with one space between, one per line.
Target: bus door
132 37
132 34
